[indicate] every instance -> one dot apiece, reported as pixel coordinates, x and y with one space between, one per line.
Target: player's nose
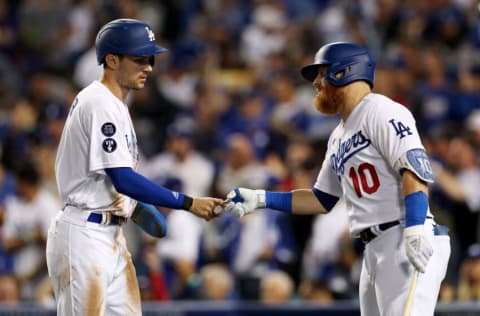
318 82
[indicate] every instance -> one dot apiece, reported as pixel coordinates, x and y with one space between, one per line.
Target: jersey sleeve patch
400 128
108 129
109 145
416 160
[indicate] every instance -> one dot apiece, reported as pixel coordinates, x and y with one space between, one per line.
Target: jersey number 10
368 183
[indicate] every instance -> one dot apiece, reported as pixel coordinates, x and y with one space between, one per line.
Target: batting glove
243 201
417 246
150 220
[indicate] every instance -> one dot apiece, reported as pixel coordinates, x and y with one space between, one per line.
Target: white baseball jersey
98 134
21 218
360 159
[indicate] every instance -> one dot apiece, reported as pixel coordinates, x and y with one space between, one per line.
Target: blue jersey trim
328 201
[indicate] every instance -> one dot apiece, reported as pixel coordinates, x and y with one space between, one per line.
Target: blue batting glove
150 220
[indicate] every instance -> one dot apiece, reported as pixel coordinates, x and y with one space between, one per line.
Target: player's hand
207 208
242 201
417 246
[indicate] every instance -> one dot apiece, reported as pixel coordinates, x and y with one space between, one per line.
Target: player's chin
324 106
139 85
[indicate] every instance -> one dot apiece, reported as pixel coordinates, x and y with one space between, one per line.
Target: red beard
329 100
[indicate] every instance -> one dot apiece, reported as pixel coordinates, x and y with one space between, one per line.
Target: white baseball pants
386 274
90 267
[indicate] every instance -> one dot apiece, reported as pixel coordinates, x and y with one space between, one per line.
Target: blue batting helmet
353 62
126 37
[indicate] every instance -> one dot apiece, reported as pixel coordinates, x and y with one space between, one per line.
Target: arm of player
302 201
128 182
417 246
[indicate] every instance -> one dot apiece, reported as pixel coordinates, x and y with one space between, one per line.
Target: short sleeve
393 131
107 127
327 180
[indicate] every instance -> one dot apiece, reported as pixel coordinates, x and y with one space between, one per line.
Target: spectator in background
276 287
464 191
242 166
47 40
9 290
8 28
181 160
454 194
255 257
473 131
179 251
289 117
323 247
210 103
435 91
316 292
467 98
297 170
469 285
217 283
180 248
17 132
178 83
27 218
149 268
7 189
448 293
250 116
52 119
266 34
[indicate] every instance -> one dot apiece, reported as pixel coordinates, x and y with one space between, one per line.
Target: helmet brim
310 72
159 50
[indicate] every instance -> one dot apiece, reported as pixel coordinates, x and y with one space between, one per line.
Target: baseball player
88 262
375 160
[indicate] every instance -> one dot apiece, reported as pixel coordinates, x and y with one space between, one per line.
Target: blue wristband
416 207
281 201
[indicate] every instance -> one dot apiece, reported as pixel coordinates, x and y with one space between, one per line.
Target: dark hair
26 171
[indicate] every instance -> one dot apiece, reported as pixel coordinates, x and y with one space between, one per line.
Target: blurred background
226 107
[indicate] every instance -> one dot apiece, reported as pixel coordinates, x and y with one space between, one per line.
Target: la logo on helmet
151 35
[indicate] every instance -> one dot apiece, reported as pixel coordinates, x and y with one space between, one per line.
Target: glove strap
261 198
413 230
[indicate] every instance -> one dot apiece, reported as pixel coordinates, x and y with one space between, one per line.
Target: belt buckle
106 218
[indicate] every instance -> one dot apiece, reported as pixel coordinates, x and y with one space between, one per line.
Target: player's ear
112 61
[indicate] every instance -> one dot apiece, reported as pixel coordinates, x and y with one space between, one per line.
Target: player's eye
142 60
322 71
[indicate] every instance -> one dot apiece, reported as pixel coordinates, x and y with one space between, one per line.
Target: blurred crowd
226 107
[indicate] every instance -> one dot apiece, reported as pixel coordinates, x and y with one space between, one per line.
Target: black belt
368 234
110 220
